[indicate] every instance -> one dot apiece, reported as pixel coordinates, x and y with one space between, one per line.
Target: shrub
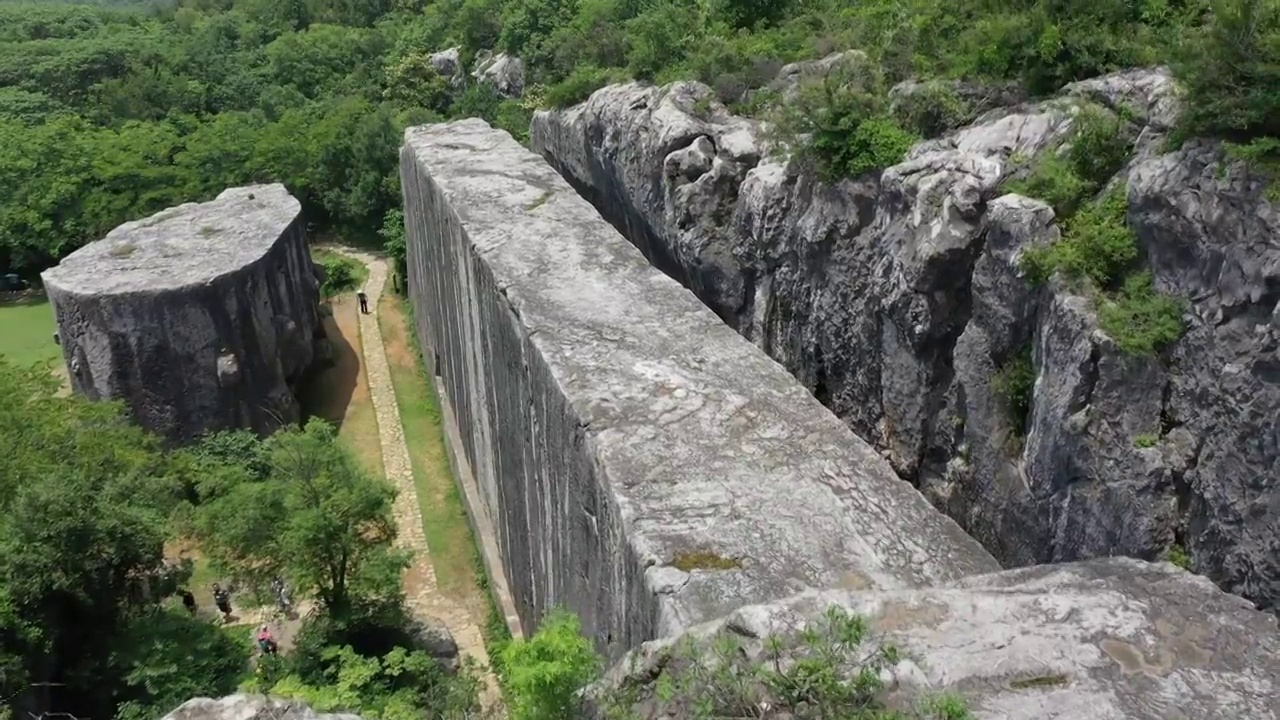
1097 147
1229 66
545 673
579 85
1139 319
931 109
339 275
1014 385
1145 440
1261 156
829 670
1097 245
1177 555
662 36
842 125
1053 180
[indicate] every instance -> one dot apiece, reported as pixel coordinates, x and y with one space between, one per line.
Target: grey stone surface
1211 235
504 72
449 65
617 429
199 318
1114 639
250 707
895 298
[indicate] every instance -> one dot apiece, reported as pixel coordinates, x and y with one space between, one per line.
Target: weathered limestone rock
1210 235
504 72
250 707
199 318
643 464
448 64
895 298
1103 639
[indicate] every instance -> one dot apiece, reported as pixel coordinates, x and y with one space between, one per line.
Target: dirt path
424 597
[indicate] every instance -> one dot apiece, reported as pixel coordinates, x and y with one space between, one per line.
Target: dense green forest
114 110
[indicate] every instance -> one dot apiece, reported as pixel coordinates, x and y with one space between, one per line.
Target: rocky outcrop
643 464
1099 639
202 317
649 469
896 298
250 707
449 66
504 72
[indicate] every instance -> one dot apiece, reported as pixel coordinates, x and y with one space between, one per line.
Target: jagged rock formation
201 317
504 72
624 439
250 707
649 469
449 66
896 297
1097 639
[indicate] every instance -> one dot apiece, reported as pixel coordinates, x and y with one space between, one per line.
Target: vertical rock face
642 463
896 299
199 318
648 468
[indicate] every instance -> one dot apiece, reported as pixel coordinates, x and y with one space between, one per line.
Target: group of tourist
222 600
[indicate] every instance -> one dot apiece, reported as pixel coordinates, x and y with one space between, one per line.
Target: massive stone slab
644 465
200 317
1108 639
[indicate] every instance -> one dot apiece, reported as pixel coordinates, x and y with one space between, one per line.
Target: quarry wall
650 469
642 463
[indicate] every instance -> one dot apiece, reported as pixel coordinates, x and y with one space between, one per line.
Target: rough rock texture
448 64
896 298
504 72
1111 639
199 318
619 431
249 707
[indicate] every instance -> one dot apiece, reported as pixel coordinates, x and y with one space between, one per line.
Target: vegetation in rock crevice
830 669
1014 386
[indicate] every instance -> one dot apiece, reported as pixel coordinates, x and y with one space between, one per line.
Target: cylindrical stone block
199 318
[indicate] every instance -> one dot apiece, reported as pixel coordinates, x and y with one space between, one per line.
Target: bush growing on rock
830 669
842 125
544 675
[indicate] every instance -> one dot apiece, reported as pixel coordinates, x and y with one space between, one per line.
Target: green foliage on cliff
831 669
1014 386
543 675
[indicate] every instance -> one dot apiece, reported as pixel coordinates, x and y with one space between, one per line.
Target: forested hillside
113 111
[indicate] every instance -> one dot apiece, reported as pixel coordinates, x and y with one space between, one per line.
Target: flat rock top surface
710 446
1105 639
185 245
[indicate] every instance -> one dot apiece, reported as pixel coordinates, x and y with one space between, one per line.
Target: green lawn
26 331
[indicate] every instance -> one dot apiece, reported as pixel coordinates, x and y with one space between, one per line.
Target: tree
545 672
84 498
316 520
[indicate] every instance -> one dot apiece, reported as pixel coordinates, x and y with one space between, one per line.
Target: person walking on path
188 601
282 597
364 302
222 599
266 643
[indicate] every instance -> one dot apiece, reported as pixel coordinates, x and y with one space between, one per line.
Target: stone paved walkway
424 598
